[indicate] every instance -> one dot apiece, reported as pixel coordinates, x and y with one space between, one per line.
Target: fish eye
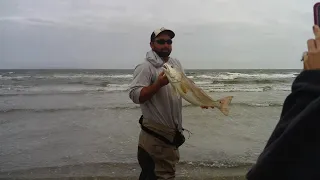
172 66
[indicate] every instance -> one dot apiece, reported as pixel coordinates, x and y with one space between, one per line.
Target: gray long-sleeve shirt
164 107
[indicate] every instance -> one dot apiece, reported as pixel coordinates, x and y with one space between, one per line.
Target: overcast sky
115 34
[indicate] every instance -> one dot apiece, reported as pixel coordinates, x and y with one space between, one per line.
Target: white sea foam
232 76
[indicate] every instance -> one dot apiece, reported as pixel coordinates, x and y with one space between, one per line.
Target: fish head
172 73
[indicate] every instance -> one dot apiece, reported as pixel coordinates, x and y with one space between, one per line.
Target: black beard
163 54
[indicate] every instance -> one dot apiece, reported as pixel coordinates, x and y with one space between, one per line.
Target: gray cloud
101 34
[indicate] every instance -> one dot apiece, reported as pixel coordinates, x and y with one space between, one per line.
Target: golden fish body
188 90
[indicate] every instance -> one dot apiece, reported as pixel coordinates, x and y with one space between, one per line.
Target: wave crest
124 106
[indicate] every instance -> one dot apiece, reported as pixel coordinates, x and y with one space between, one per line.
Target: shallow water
60 127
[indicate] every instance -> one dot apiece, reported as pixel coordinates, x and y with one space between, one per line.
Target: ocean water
51 118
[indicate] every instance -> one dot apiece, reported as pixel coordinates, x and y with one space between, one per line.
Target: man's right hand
312 59
147 92
162 80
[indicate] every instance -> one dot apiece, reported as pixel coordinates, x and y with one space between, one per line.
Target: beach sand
123 171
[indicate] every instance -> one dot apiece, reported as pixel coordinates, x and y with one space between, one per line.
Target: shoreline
122 171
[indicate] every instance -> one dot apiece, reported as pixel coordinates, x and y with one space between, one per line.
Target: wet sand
122 171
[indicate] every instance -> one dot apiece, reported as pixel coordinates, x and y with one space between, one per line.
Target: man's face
162 45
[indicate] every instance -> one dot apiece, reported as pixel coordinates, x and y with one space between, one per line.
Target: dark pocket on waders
178 139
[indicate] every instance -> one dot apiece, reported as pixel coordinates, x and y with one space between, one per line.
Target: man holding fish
161 106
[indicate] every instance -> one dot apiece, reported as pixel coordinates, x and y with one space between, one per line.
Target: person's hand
162 79
206 107
311 59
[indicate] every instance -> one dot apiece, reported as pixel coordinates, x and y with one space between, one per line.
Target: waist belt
178 139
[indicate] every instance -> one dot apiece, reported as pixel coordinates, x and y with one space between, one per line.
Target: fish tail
224 104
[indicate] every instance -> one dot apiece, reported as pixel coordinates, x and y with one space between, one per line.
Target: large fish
187 89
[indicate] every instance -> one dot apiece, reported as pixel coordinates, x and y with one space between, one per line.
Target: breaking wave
233 76
121 168
216 164
8 90
65 89
65 76
120 107
248 89
33 83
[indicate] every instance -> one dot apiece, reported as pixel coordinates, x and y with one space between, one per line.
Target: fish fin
224 105
183 88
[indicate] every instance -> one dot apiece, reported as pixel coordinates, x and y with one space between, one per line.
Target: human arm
293 147
305 88
147 92
141 89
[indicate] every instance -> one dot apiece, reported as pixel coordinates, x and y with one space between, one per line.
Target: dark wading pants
156 158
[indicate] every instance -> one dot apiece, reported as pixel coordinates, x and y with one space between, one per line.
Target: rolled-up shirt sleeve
141 78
